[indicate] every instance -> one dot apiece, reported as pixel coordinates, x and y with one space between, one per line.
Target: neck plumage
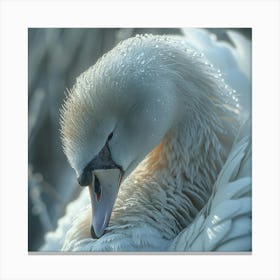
175 180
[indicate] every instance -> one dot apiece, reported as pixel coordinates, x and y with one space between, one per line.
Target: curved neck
193 152
175 180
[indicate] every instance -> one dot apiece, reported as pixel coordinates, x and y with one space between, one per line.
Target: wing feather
225 223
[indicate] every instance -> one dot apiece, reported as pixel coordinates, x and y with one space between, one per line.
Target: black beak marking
85 178
102 161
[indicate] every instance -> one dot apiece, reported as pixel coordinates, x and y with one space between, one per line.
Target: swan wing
225 223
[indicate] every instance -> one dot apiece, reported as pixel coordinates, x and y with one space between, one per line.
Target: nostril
97 188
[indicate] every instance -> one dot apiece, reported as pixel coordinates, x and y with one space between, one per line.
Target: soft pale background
17 16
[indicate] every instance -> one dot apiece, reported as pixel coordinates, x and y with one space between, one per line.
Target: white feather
225 223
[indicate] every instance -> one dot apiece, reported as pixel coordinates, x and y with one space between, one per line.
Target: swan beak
103 191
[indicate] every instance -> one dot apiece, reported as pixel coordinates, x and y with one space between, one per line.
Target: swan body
177 171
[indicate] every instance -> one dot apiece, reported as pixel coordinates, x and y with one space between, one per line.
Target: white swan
150 129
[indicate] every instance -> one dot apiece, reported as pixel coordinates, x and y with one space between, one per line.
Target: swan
157 139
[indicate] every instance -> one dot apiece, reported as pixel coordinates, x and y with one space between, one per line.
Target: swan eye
110 136
85 178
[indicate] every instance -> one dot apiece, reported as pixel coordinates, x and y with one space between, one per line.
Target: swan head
116 113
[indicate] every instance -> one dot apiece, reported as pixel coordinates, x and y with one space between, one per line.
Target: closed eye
110 136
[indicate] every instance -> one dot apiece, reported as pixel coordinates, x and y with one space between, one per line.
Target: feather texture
225 223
